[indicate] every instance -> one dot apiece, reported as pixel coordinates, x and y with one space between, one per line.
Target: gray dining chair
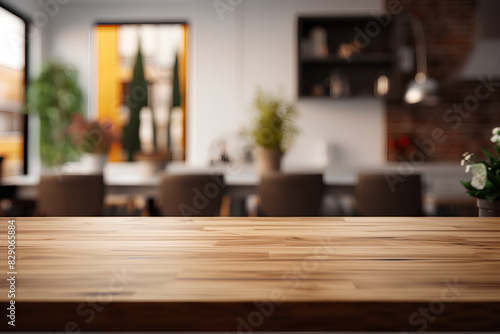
70 195
290 195
186 195
378 195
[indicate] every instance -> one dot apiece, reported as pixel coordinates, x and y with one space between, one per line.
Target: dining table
245 275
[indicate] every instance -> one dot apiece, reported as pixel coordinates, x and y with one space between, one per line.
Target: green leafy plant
485 182
54 96
273 125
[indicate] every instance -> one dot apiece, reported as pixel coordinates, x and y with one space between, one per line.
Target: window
164 52
13 137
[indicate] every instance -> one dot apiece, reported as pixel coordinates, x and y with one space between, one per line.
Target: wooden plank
330 272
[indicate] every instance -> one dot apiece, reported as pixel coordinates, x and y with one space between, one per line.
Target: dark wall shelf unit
325 71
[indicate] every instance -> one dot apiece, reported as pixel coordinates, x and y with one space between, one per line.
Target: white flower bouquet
485 182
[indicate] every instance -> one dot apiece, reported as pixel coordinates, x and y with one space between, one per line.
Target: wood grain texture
213 273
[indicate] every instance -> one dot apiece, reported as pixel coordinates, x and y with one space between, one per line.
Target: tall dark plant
54 96
176 101
137 99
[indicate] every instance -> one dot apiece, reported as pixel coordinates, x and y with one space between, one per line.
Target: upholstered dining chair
290 195
378 195
70 195
190 195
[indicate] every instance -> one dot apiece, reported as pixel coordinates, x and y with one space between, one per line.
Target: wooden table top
240 261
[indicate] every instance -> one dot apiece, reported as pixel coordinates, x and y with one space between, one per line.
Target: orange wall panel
109 89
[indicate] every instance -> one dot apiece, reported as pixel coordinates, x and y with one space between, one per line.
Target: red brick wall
465 117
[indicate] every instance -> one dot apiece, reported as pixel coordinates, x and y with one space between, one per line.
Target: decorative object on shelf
272 131
319 42
354 61
339 84
138 99
485 182
318 90
54 96
382 86
93 140
422 89
346 50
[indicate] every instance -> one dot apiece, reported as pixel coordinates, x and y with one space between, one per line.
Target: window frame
27 23
188 65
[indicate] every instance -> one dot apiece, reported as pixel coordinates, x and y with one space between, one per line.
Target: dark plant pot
487 209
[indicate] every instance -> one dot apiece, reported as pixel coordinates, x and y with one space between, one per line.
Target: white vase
92 163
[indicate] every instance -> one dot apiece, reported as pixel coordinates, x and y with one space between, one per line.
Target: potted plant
272 130
485 182
54 96
93 140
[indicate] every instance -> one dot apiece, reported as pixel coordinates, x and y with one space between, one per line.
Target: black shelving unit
356 75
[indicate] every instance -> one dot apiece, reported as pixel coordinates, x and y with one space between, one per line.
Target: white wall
355 128
254 45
